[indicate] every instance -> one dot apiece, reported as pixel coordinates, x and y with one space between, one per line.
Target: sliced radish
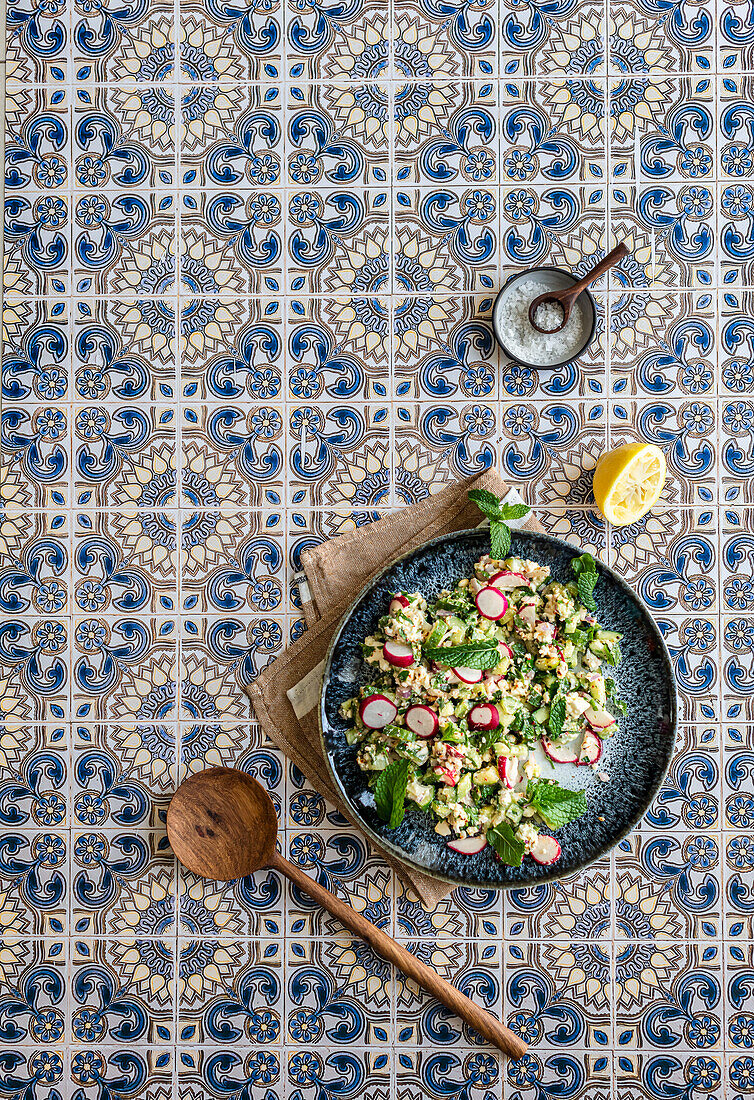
505 649
398 654
377 711
599 719
468 846
490 602
507 768
506 581
397 603
468 675
486 716
527 614
591 748
546 850
559 754
422 721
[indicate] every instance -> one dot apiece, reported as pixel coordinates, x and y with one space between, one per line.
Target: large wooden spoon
565 298
222 825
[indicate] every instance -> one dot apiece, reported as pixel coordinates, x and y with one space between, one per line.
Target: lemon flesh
628 481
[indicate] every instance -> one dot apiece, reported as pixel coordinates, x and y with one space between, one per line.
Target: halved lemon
628 481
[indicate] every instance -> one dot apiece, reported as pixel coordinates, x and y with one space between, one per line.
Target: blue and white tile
338 993
440 443
231 135
559 994
122 991
550 448
34 992
736 365
473 967
670 229
230 991
339 348
663 344
670 558
669 886
338 134
737 449
561 45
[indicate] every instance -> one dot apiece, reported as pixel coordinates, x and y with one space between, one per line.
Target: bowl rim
542 366
553 875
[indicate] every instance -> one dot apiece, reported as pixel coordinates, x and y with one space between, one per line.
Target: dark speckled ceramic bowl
636 757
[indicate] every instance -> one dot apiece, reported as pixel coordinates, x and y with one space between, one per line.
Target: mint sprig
470 655
585 569
557 716
556 805
390 793
498 514
507 845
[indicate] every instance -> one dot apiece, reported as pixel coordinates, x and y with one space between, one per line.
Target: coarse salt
521 338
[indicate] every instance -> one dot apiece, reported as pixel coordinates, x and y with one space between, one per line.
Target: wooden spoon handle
386 946
614 256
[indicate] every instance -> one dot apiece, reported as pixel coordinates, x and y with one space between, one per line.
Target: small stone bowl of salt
517 336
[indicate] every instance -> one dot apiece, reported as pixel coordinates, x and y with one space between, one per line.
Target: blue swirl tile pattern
250 257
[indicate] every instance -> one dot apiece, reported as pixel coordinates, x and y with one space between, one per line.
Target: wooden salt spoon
222 825
565 298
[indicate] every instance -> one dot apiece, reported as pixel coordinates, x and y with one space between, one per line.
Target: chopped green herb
556 805
390 792
506 844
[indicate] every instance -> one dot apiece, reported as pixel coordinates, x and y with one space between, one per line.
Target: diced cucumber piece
436 635
514 813
541 715
486 775
464 787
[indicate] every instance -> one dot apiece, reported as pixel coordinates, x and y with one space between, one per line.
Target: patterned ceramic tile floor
250 256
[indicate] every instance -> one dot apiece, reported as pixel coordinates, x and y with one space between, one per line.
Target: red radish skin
468 675
505 649
505 581
491 603
507 768
422 721
546 850
468 846
377 711
599 719
397 603
559 754
591 749
398 654
527 614
486 716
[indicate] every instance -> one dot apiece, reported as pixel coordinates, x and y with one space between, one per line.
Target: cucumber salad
475 696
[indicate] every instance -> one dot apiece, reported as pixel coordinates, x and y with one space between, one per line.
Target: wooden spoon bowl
564 299
222 825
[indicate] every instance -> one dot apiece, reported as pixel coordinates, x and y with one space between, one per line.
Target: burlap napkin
285 696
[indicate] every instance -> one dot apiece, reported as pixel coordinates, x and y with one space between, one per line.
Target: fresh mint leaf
497 512
485 501
390 793
514 511
585 569
471 655
506 844
557 716
556 805
500 540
